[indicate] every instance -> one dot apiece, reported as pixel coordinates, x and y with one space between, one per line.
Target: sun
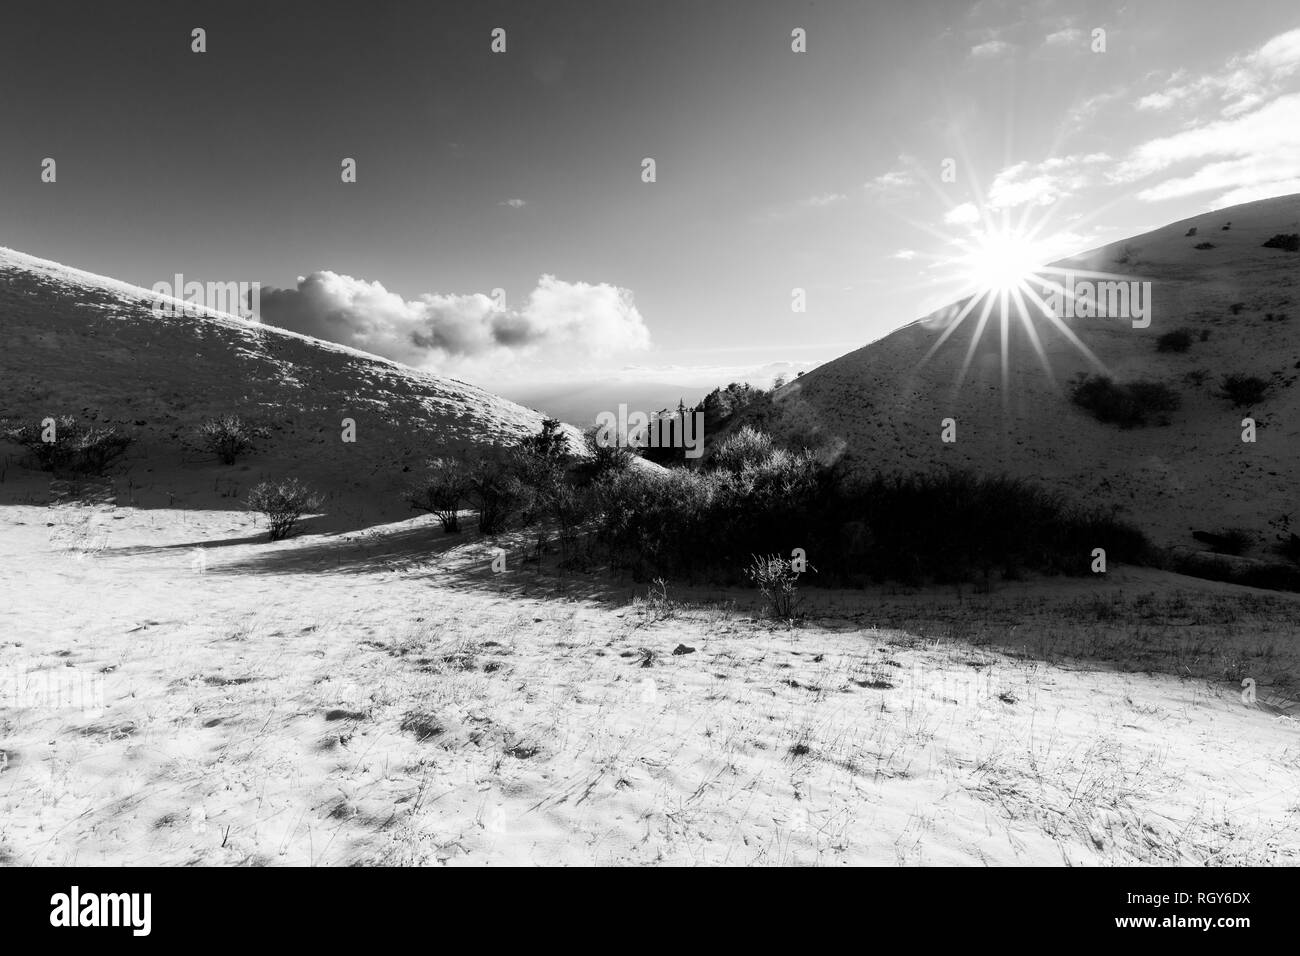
1001 260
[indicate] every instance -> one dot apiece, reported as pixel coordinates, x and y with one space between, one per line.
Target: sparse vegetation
1243 390
943 527
1128 255
777 578
743 448
228 437
604 460
282 503
65 445
1179 340
1288 241
495 493
441 493
1131 405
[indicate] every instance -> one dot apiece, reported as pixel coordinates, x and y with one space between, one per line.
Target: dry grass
422 712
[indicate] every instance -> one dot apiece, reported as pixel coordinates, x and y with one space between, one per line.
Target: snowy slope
882 407
88 346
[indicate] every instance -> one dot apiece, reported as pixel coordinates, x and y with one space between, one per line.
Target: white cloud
990 49
893 184
825 199
1257 152
1064 38
897 177
559 321
963 215
1243 83
1042 184
905 254
513 203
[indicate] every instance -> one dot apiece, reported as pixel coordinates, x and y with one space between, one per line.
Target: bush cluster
742 515
1137 403
65 445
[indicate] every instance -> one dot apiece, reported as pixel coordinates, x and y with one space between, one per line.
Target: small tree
549 445
282 503
443 490
227 437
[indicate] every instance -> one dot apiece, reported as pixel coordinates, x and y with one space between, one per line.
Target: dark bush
282 503
495 492
1232 542
1243 390
1204 245
442 491
603 459
1179 340
940 527
1288 241
549 445
64 445
1277 577
1129 405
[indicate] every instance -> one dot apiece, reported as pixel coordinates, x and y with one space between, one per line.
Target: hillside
91 347
881 407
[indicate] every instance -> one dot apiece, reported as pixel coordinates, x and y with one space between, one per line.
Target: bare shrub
228 437
444 488
778 580
495 492
65 445
282 503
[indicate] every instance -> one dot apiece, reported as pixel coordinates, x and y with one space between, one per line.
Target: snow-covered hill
882 406
88 346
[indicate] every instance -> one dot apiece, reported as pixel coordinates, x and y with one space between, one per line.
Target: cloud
990 49
783 211
825 199
894 184
1064 38
513 203
963 215
1243 83
1258 152
905 254
1041 184
560 320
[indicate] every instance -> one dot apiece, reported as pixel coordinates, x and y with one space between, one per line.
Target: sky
500 229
